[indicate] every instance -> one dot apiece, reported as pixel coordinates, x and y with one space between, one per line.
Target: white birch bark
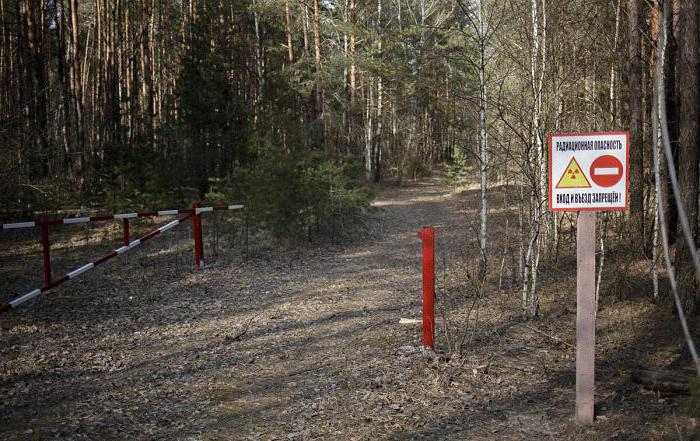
661 124
539 183
377 141
521 221
369 129
656 155
483 140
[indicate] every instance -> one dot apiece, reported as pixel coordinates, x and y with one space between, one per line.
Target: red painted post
46 246
198 248
427 234
200 239
127 238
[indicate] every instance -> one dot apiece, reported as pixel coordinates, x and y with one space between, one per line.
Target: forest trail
326 346
255 349
302 345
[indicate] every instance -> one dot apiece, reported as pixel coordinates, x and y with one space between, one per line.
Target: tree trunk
351 80
369 130
317 57
483 140
288 31
65 87
611 93
635 125
305 34
76 80
661 124
319 129
353 45
36 83
259 70
688 159
377 139
671 96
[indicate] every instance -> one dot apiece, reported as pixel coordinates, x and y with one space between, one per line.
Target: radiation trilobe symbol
573 177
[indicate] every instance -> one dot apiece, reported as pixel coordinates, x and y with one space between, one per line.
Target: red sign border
627 172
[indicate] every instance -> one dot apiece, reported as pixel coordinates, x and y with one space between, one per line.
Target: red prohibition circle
606 171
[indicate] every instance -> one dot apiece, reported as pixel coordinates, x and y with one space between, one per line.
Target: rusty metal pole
197 230
585 317
46 249
127 236
427 235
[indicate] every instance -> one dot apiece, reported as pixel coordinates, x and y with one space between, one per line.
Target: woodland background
295 107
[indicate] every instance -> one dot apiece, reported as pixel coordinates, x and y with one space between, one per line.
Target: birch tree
537 172
480 29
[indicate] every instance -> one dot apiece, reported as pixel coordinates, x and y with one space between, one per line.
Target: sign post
585 317
587 173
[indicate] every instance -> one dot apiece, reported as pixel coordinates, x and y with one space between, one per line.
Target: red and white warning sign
588 171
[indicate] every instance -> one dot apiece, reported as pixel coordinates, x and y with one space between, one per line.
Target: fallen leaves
288 346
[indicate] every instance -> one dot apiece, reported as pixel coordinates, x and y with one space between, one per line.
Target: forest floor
306 344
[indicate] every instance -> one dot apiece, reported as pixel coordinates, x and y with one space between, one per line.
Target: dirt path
258 349
303 346
318 365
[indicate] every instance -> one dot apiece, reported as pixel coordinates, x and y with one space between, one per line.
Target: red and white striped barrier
87 267
120 216
195 213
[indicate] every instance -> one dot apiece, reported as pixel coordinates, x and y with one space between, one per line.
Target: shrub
300 195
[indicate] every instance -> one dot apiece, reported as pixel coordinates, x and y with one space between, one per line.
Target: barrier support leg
428 237
198 248
46 248
200 239
127 238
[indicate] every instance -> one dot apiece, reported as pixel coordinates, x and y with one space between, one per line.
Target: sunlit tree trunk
377 139
538 180
483 138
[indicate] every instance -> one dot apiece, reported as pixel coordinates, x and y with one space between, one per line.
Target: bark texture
689 100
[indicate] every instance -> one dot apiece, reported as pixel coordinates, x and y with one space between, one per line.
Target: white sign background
563 147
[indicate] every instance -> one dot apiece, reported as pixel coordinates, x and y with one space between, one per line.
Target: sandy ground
307 345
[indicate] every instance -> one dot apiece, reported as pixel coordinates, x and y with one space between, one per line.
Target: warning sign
588 171
606 171
573 177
